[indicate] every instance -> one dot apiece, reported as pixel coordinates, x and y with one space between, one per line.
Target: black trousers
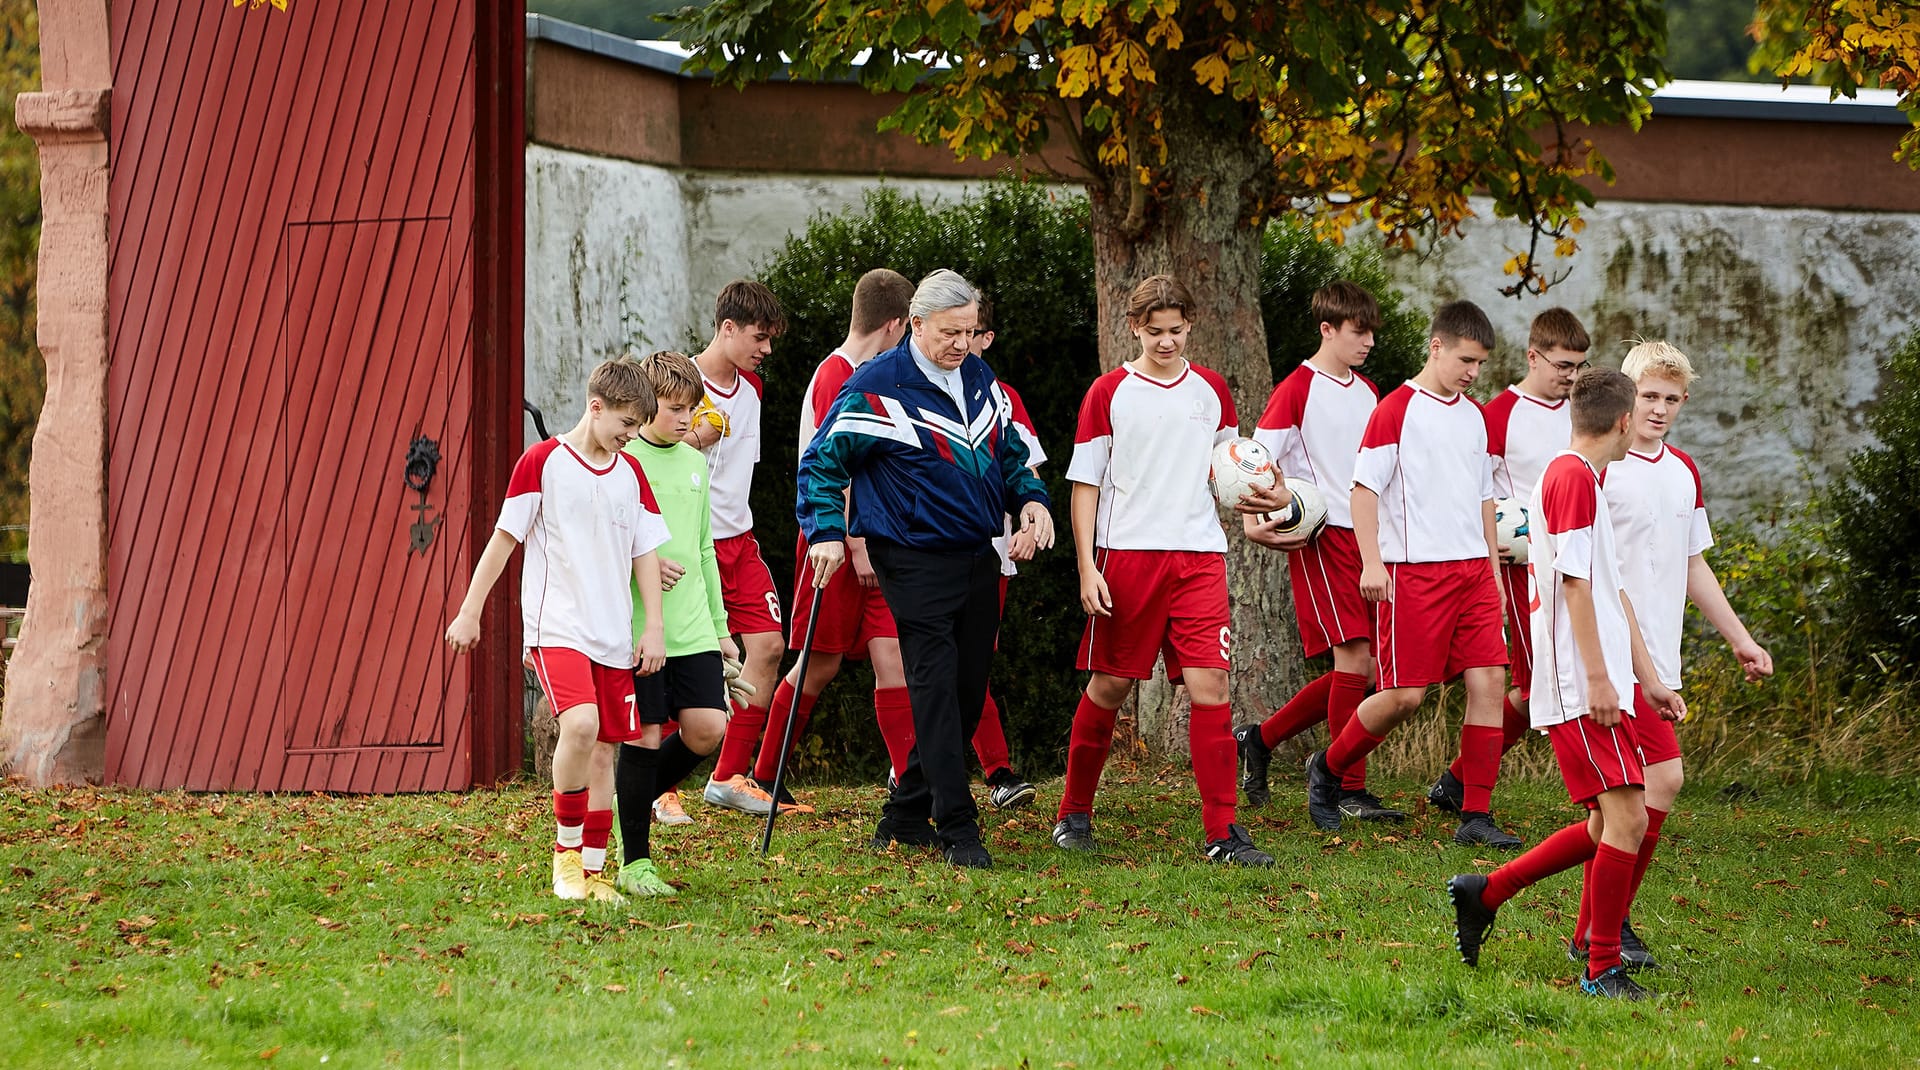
947 609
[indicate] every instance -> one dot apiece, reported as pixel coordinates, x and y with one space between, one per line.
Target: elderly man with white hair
920 435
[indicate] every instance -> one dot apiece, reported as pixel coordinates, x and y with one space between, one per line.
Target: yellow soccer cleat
569 876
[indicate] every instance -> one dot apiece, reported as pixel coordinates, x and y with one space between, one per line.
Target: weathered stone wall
1787 313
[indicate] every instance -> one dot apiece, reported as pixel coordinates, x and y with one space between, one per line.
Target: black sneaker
971 855
1254 756
1471 917
904 833
1074 832
1447 793
1009 791
1363 805
1613 984
1478 828
1323 793
1633 953
1237 849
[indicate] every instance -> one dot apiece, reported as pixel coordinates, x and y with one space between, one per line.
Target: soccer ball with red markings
1306 516
1510 527
1240 465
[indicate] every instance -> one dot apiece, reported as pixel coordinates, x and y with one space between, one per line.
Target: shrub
1875 510
1293 264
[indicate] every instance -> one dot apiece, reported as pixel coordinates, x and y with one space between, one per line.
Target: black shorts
687 682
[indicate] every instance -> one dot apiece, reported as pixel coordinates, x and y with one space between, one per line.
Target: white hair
942 290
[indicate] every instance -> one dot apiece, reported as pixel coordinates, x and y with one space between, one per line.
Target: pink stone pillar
53 730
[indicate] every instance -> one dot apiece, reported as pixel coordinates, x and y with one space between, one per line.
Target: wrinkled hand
464 633
1037 523
1021 546
1095 598
1274 499
826 559
670 573
1754 661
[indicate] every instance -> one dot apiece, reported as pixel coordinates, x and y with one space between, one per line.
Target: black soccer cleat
1634 954
1009 791
1471 917
1323 793
1254 757
1363 805
1236 849
1478 828
1614 984
970 855
904 833
1447 793
1074 832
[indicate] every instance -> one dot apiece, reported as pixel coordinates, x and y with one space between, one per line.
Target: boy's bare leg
572 773
760 664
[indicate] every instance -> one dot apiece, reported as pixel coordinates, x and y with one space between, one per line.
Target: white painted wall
1786 313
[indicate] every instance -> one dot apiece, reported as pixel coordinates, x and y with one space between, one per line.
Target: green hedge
1028 246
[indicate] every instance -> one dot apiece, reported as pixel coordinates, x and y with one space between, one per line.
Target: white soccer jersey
1426 457
1523 434
582 527
1313 426
1570 534
730 461
1022 425
828 378
1659 521
1148 445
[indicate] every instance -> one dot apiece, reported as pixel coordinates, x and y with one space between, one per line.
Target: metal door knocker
423 459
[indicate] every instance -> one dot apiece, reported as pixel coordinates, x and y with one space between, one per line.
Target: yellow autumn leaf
1212 72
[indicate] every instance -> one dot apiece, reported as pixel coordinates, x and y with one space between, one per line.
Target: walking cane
786 737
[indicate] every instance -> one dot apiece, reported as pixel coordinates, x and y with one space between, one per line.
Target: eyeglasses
1565 366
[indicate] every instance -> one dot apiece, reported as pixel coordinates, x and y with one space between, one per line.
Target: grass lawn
165 930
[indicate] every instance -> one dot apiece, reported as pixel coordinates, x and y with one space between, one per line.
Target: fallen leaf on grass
613 988
1247 963
445 990
951 1011
329 924
139 924
1204 1011
1739 1034
270 1052
834 953
1019 948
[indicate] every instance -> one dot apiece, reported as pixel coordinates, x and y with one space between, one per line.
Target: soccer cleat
1447 793
668 811
1236 849
906 834
1074 832
569 877
601 890
1009 791
1254 756
788 804
1471 917
1480 829
1323 793
740 793
1634 954
1363 805
1613 984
970 855
638 877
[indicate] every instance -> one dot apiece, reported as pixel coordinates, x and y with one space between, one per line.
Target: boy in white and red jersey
1312 427
1422 505
1527 425
854 621
1152 558
1587 655
1007 790
588 520
1659 512
747 317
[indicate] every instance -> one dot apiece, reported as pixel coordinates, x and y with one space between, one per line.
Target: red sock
1304 710
672 726
1584 920
593 840
768 763
1513 724
1655 818
1352 744
990 740
1348 689
1087 747
1612 892
569 814
1561 851
894 711
736 747
1480 761
1210 739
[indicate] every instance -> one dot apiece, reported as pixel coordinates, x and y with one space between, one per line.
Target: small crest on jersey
1199 410
695 477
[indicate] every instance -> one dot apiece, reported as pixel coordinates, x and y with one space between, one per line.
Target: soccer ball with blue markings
1510 527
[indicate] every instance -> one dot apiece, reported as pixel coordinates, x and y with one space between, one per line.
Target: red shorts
1595 759
851 616
1658 741
1171 601
570 679
746 585
1326 592
1443 619
1515 580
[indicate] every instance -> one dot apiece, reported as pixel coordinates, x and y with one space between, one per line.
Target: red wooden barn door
314 262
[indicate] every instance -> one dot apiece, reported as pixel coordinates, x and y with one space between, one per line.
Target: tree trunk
1203 229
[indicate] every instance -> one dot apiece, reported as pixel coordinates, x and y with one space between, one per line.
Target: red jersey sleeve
1287 405
1229 419
1569 496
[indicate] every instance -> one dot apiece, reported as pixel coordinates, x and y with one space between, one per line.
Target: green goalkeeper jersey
696 616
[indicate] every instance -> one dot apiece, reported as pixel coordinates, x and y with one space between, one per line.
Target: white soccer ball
1308 513
1510 527
1239 465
